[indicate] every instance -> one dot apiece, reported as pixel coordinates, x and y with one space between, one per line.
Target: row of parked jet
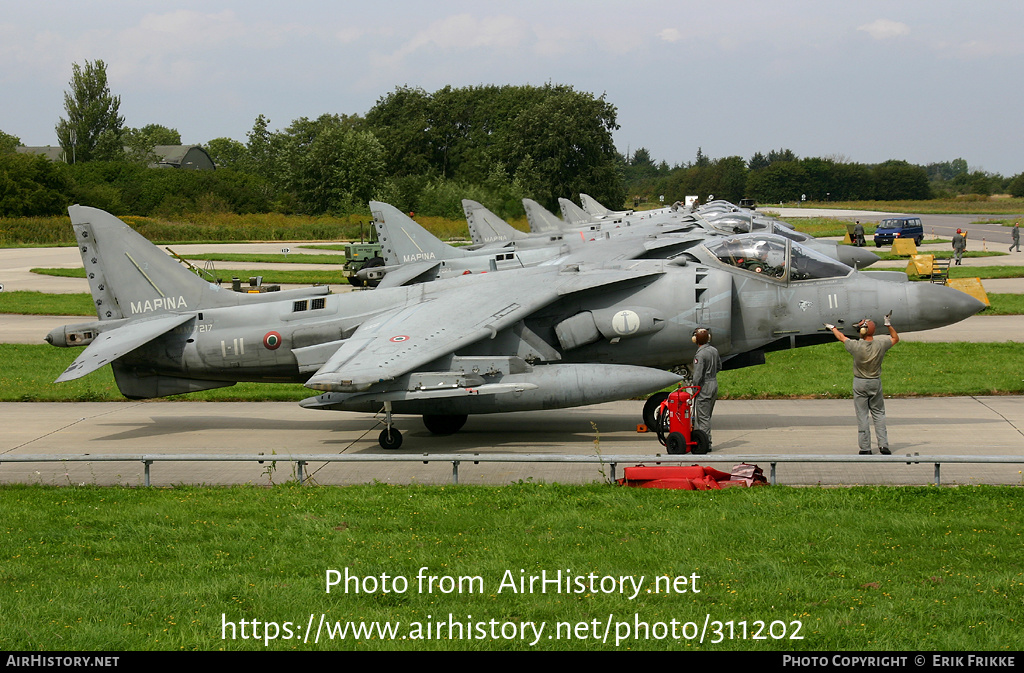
595 307
592 234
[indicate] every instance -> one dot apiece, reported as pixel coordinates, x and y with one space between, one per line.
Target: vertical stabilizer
403 241
573 214
128 275
599 210
486 227
592 206
542 221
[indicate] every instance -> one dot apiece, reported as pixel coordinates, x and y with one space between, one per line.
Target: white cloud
884 29
670 35
463 31
348 35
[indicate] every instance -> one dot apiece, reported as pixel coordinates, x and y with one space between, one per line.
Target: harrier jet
544 337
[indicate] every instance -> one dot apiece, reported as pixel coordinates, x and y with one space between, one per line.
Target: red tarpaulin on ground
692 477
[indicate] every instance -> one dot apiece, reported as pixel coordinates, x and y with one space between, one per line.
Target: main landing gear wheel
703 444
651 407
390 439
444 424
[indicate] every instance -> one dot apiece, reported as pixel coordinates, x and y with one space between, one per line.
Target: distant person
1016 237
959 245
868 353
858 235
706 366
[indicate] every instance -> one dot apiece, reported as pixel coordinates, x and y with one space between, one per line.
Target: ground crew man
868 352
706 366
959 245
1015 232
858 235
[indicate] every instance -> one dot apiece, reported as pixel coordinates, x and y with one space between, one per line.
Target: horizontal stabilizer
115 343
409 274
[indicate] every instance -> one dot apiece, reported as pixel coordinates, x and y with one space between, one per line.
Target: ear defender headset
865 327
705 331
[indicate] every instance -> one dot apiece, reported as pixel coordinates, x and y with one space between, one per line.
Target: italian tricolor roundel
272 340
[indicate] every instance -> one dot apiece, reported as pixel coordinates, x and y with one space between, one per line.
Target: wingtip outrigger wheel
390 438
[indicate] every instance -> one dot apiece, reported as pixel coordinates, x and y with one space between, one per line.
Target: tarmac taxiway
925 426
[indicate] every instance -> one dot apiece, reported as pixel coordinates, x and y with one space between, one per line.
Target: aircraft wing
398 342
111 345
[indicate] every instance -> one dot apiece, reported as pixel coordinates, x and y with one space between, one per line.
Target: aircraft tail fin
542 221
597 209
486 227
573 214
128 275
592 206
403 240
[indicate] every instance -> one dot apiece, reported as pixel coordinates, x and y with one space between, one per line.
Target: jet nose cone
937 305
858 258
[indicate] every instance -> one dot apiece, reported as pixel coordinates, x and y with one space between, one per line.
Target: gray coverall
959 245
858 235
867 388
706 366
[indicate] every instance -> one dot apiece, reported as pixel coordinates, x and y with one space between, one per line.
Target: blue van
890 229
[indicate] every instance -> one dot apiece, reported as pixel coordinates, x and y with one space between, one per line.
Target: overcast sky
920 80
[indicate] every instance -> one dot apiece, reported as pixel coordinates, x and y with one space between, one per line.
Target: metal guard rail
301 460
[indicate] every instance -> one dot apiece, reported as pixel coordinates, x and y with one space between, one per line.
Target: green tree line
781 176
423 152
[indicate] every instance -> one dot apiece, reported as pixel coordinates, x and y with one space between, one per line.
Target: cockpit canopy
739 223
773 256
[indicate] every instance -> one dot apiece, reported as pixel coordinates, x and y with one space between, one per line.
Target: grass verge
827 226
225 227
973 205
941 254
25 302
911 369
292 258
1004 304
929 569
986 272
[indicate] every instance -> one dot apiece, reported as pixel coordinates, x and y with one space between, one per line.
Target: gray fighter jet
537 338
663 225
414 255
